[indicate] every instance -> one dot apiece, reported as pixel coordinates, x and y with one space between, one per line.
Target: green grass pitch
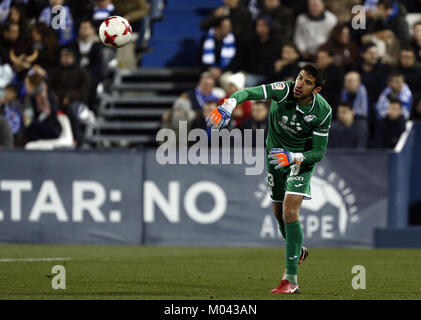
153 272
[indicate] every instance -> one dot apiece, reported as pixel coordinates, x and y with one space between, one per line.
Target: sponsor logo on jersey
285 127
278 86
309 118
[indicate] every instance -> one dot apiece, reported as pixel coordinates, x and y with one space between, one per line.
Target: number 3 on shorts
271 183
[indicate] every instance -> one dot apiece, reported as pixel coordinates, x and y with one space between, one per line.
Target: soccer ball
115 32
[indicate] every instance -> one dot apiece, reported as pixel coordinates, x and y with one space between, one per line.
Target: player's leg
277 211
294 235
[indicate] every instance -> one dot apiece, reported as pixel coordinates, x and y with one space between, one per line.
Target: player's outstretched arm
220 117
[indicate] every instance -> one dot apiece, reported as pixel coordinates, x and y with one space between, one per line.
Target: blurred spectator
102 10
389 129
409 68
136 12
390 14
258 120
299 6
416 40
20 55
33 8
396 89
416 110
287 67
346 131
258 52
357 33
81 10
157 6
242 111
388 46
89 56
312 29
412 5
199 121
46 45
181 111
240 17
203 92
373 76
344 49
71 83
12 109
66 34
356 94
15 50
6 76
4 10
334 77
282 19
40 115
218 48
6 135
17 15
341 9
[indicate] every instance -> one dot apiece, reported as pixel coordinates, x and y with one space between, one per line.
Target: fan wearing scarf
218 47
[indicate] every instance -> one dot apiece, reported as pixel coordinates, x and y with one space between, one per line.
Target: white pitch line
34 259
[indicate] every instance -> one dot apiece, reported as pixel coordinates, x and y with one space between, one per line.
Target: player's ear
317 90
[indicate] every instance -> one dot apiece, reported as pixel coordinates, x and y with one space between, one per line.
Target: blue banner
220 205
70 197
130 198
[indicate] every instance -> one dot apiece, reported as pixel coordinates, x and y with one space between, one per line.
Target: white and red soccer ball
115 32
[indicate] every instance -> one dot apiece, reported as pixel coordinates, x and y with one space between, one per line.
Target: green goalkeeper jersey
295 128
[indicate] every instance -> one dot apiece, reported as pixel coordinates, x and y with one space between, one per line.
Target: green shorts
294 179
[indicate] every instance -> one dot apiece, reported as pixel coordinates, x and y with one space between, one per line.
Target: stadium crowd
373 73
48 71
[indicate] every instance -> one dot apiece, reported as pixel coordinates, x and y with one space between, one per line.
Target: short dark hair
395 100
291 45
13 87
368 45
395 74
388 4
316 72
346 104
327 50
218 21
408 47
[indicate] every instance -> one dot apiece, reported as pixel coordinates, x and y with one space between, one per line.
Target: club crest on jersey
278 86
309 118
284 119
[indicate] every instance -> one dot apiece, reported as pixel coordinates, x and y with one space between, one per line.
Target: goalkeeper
299 122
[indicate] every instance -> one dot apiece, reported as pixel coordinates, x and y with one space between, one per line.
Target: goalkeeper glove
220 117
284 158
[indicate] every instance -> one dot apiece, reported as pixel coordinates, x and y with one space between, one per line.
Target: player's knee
277 210
290 216
290 212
